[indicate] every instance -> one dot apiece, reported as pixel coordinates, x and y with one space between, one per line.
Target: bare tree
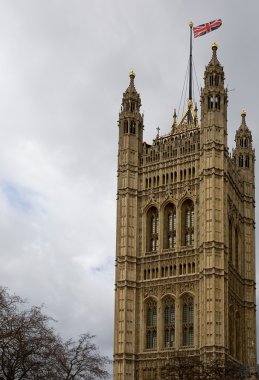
180 367
81 360
30 349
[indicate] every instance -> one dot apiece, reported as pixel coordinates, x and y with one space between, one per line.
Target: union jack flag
206 28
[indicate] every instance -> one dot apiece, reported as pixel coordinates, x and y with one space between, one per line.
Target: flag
206 28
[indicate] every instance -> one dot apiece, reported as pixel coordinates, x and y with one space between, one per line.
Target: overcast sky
63 68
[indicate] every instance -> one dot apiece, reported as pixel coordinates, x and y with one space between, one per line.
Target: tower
185 253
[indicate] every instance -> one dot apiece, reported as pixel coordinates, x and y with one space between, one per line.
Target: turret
130 120
214 101
243 153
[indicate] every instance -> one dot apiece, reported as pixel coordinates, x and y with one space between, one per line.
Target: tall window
217 102
236 249
188 321
230 240
170 226
152 230
151 324
132 127
169 322
231 332
188 223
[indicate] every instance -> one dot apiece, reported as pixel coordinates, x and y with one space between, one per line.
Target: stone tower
185 253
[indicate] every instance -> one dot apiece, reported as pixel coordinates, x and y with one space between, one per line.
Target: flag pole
190 65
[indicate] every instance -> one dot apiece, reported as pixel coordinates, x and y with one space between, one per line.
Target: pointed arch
230 241
187 320
151 323
152 229
169 224
169 321
187 216
231 331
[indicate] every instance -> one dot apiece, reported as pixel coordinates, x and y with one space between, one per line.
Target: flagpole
190 66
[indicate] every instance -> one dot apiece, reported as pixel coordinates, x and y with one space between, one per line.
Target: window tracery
152 230
188 321
170 227
169 322
188 223
151 324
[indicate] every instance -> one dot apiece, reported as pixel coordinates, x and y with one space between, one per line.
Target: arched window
187 321
247 161
132 106
152 229
151 324
238 337
236 249
241 161
169 322
217 102
210 102
231 329
132 127
169 226
230 240
126 129
188 223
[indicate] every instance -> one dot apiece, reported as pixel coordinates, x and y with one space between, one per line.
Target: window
151 324
132 127
230 240
241 160
247 161
231 331
188 223
210 102
169 322
169 226
188 321
236 249
217 102
152 230
126 130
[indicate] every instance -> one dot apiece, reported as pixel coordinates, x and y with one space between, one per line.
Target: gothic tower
185 253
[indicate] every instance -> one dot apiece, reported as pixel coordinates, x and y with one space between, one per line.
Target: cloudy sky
63 67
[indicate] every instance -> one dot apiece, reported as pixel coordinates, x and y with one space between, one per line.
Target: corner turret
214 101
243 153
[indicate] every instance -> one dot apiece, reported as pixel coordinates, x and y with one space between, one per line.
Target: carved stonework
151 291
187 287
168 289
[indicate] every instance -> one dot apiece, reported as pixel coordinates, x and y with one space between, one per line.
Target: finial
190 24
243 115
132 74
158 130
214 46
174 117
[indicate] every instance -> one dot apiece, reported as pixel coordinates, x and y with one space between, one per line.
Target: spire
214 59
214 68
243 131
131 99
130 119
243 153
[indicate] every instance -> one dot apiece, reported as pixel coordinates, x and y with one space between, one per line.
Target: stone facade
185 254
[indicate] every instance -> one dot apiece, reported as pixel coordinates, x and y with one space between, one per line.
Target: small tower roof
243 130
214 59
131 93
